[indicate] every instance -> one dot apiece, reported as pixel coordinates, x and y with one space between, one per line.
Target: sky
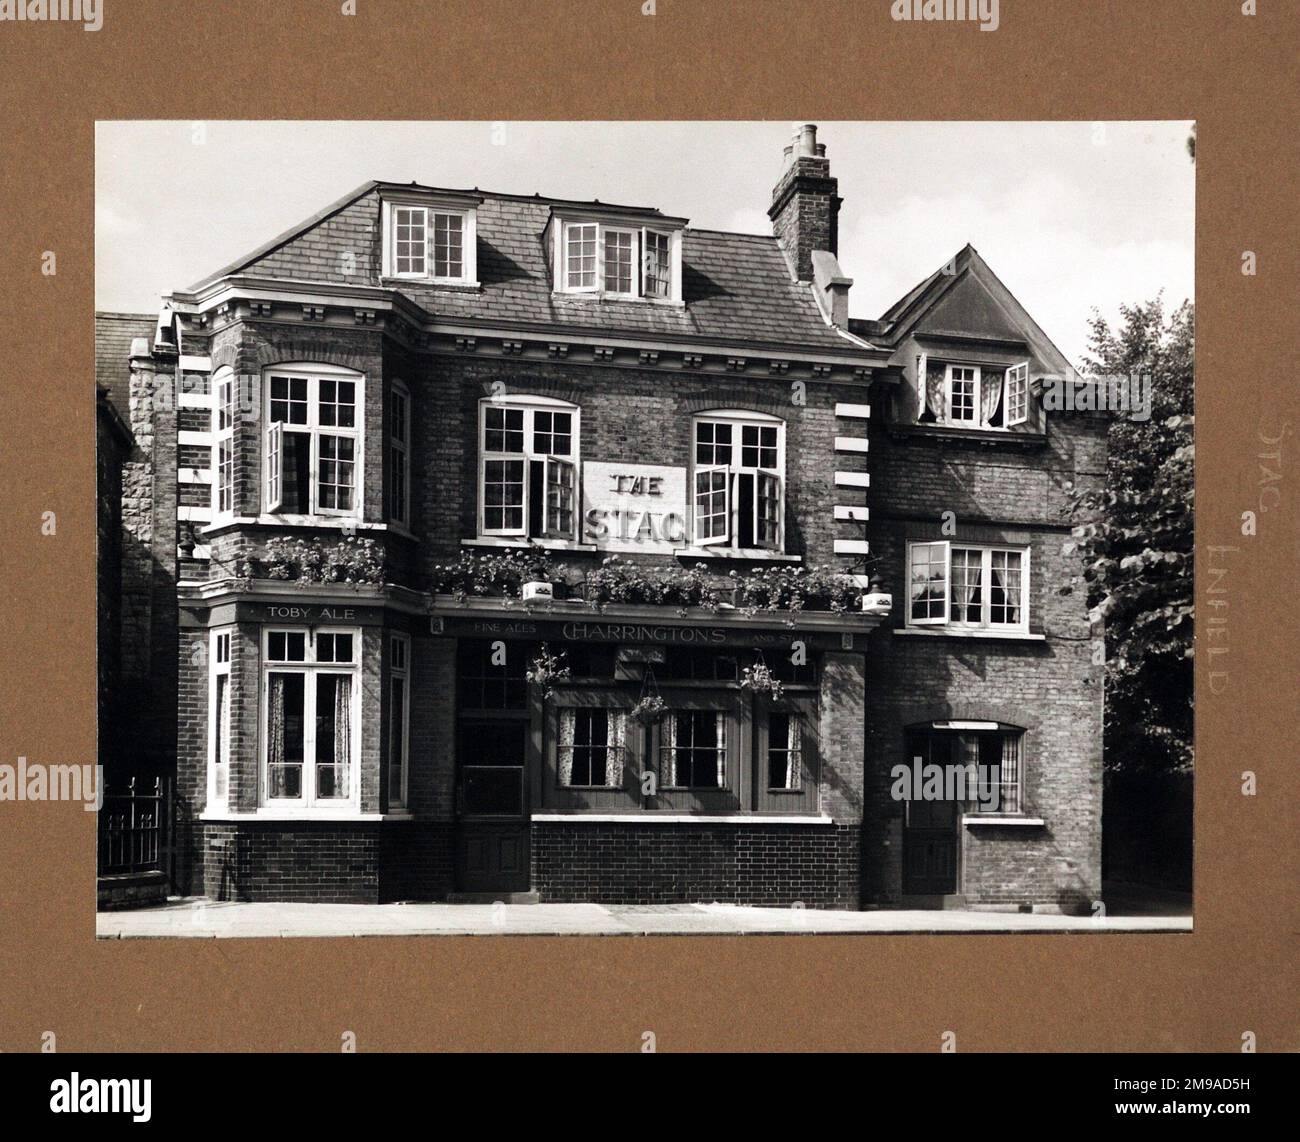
1071 216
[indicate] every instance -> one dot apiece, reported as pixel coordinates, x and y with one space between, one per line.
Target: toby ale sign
634 507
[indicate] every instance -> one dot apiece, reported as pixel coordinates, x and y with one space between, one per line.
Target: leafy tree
1137 541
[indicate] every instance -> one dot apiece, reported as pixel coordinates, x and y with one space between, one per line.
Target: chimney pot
805 203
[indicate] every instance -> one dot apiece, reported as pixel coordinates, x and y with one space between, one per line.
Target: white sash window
309 724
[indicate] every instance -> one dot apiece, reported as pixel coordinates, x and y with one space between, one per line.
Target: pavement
207 919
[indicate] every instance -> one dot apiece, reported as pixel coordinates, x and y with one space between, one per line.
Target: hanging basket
759 680
650 710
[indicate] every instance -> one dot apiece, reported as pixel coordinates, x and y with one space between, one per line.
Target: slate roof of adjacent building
114 333
737 287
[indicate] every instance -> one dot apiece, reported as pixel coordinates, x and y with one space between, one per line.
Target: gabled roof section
255 256
964 298
114 333
737 288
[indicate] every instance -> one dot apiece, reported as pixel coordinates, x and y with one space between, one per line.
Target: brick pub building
368 610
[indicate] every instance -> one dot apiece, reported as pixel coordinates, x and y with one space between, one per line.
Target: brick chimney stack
805 206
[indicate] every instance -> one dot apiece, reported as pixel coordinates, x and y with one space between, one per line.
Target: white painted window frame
638 292
225 407
272 485
986 583
976 420
1017 375
737 419
530 405
468 242
308 803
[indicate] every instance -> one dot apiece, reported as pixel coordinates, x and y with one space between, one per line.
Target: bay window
738 480
528 481
309 725
961 586
621 261
312 448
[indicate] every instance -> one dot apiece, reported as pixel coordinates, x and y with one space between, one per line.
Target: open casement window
927 584
656 264
617 260
1016 400
922 410
309 724
561 490
528 475
965 586
739 465
274 470
312 446
712 506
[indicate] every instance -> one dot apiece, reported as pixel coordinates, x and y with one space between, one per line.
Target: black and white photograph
644 527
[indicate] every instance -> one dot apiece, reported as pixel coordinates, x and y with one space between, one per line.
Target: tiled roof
737 287
114 333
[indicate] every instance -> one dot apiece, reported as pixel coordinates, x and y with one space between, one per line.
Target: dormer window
430 242
617 260
961 395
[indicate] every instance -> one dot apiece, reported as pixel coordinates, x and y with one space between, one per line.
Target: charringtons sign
633 507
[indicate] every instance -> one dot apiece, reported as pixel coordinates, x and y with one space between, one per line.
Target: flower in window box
649 710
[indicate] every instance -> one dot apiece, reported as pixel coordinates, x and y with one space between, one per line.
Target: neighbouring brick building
476 543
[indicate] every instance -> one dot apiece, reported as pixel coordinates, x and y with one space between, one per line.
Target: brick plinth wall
326 862
816 865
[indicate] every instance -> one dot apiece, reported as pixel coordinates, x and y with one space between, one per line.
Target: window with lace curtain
592 748
693 750
309 721
962 586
